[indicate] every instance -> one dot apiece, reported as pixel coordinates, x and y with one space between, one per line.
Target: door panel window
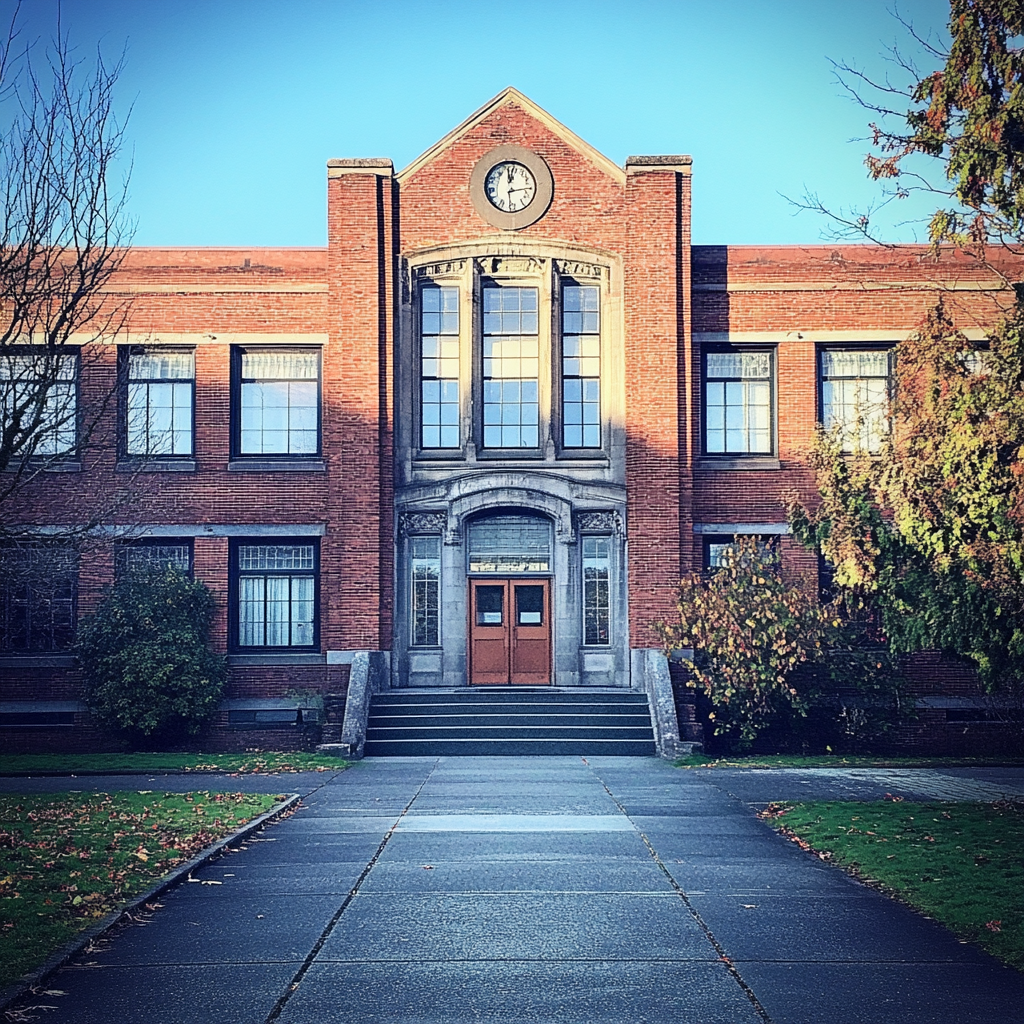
490 602
530 605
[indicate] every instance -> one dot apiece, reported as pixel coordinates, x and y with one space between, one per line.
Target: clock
511 187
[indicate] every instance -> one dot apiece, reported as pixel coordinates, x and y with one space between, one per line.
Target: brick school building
474 441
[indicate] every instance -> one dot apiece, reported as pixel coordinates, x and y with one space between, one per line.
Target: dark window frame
234 574
874 346
120 556
124 352
773 412
479 385
439 451
605 644
558 376
769 541
73 453
9 598
237 351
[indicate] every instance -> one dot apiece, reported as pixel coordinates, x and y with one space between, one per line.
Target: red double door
510 632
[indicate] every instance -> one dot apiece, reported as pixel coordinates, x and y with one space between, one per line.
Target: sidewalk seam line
680 892
296 980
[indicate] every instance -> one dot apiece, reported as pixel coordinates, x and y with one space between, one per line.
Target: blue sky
237 104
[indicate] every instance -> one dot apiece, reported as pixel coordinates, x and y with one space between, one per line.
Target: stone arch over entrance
579 523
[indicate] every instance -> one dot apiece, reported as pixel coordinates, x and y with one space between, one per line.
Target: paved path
535 890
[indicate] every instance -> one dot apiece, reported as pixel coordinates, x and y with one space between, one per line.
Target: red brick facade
664 302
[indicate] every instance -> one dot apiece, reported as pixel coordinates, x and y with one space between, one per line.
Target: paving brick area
537 890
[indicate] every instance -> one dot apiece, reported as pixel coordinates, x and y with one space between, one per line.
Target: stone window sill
157 466
277 466
38 661
752 462
277 658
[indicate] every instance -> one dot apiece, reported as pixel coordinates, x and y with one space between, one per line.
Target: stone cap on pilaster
379 165
645 164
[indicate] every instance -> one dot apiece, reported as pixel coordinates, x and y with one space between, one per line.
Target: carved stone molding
422 522
443 268
575 268
511 265
599 522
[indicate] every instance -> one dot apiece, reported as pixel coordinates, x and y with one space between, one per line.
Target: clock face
510 186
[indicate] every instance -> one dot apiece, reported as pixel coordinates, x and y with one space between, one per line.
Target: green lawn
248 763
841 761
959 863
68 859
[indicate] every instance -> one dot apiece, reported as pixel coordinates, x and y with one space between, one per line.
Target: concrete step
582 732
388 720
511 694
509 721
509 748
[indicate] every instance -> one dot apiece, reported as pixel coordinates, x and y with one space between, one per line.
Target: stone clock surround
541 175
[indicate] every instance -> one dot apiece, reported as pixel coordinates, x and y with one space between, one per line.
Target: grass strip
959 863
69 859
250 763
844 761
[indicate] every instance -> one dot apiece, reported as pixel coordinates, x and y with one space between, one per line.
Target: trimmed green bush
149 670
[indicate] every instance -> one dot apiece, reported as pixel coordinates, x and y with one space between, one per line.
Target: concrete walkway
535 890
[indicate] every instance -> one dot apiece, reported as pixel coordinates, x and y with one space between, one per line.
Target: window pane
161 366
511 356
855 397
439 376
279 556
509 544
37 598
145 559
280 403
425 564
596 599
299 365
581 366
737 405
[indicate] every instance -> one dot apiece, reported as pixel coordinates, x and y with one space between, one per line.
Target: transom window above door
508 544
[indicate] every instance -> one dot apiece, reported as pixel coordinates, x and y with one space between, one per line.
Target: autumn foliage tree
930 532
767 654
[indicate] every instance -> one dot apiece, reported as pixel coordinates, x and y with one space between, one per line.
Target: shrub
773 662
149 670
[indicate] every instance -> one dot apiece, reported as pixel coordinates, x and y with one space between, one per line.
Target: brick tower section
356 566
658 476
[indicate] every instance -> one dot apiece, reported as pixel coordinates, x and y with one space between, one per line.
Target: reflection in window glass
596 593
37 598
50 424
153 559
425 559
511 368
490 606
855 397
439 339
529 605
509 544
280 403
737 403
276 590
159 406
581 366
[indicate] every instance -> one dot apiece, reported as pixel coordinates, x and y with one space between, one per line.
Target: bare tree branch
63 234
